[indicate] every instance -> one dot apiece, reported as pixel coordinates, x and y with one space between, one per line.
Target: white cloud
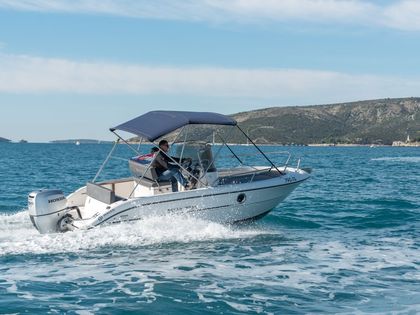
404 15
26 74
309 10
401 14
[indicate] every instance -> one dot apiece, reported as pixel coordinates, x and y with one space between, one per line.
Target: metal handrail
289 155
270 152
253 173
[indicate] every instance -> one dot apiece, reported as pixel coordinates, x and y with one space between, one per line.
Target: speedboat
222 194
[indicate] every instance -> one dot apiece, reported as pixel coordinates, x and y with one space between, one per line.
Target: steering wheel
186 163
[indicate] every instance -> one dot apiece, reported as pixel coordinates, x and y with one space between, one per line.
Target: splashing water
18 235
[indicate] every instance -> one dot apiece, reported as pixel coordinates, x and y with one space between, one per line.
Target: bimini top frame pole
110 154
106 160
258 148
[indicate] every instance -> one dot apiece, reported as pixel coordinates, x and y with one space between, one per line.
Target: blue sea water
346 241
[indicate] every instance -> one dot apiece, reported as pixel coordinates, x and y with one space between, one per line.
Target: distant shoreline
82 142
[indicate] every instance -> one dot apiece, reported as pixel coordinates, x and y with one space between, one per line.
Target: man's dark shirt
162 162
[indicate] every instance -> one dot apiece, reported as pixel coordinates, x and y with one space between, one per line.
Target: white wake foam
325 266
19 236
410 159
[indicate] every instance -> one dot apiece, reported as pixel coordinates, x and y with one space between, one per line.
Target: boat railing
241 177
287 153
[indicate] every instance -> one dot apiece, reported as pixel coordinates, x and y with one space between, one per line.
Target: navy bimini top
156 124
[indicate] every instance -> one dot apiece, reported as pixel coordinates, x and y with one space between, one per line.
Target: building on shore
406 143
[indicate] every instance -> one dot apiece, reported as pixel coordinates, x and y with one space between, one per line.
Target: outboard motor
46 208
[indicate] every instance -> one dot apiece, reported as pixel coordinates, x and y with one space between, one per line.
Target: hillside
80 141
365 122
4 139
375 121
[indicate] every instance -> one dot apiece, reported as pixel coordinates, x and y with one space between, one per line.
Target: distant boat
23 141
77 142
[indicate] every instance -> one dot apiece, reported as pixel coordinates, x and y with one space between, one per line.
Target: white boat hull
223 204
226 203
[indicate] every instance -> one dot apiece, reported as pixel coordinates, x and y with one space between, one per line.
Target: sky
74 68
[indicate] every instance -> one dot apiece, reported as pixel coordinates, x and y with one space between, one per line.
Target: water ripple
347 241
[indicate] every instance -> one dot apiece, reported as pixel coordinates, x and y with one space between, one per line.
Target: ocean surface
346 241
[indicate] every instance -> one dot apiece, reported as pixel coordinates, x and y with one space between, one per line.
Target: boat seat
142 168
145 174
101 193
151 183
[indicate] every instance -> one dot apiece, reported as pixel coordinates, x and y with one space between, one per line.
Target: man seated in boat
165 168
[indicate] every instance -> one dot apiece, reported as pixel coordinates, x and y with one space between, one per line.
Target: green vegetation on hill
4 139
365 122
375 121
